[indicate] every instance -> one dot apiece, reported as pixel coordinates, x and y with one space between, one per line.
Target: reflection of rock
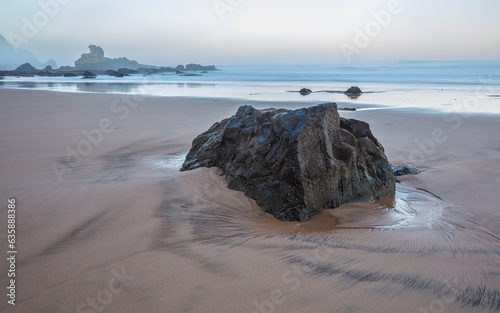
305 91
295 163
353 92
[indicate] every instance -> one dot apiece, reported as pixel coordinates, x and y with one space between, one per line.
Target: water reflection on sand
127 87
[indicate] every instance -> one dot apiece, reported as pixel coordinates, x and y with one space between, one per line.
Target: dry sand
124 231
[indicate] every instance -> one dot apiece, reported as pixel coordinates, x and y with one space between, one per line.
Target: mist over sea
463 86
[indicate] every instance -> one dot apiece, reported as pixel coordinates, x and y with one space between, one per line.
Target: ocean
456 86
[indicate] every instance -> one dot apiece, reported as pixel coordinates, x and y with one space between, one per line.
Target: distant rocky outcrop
115 73
49 71
198 67
26 68
95 60
51 63
295 163
89 74
127 71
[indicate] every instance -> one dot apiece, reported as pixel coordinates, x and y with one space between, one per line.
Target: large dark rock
295 163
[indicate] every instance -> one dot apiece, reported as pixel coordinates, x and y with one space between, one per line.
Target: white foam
171 161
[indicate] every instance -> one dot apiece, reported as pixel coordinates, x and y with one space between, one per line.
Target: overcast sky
171 32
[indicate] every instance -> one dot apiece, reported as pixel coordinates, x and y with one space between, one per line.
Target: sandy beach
107 223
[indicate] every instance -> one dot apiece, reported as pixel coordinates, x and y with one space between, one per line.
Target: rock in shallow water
354 90
295 163
305 91
353 93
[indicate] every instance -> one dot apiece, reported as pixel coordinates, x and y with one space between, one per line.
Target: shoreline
359 106
475 96
191 244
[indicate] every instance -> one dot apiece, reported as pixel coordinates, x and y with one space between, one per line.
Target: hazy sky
171 32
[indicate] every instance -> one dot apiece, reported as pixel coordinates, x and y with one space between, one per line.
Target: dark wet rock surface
295 163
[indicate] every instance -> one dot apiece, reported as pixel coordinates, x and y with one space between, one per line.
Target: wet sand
121 230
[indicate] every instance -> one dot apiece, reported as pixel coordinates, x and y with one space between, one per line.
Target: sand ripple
412 246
